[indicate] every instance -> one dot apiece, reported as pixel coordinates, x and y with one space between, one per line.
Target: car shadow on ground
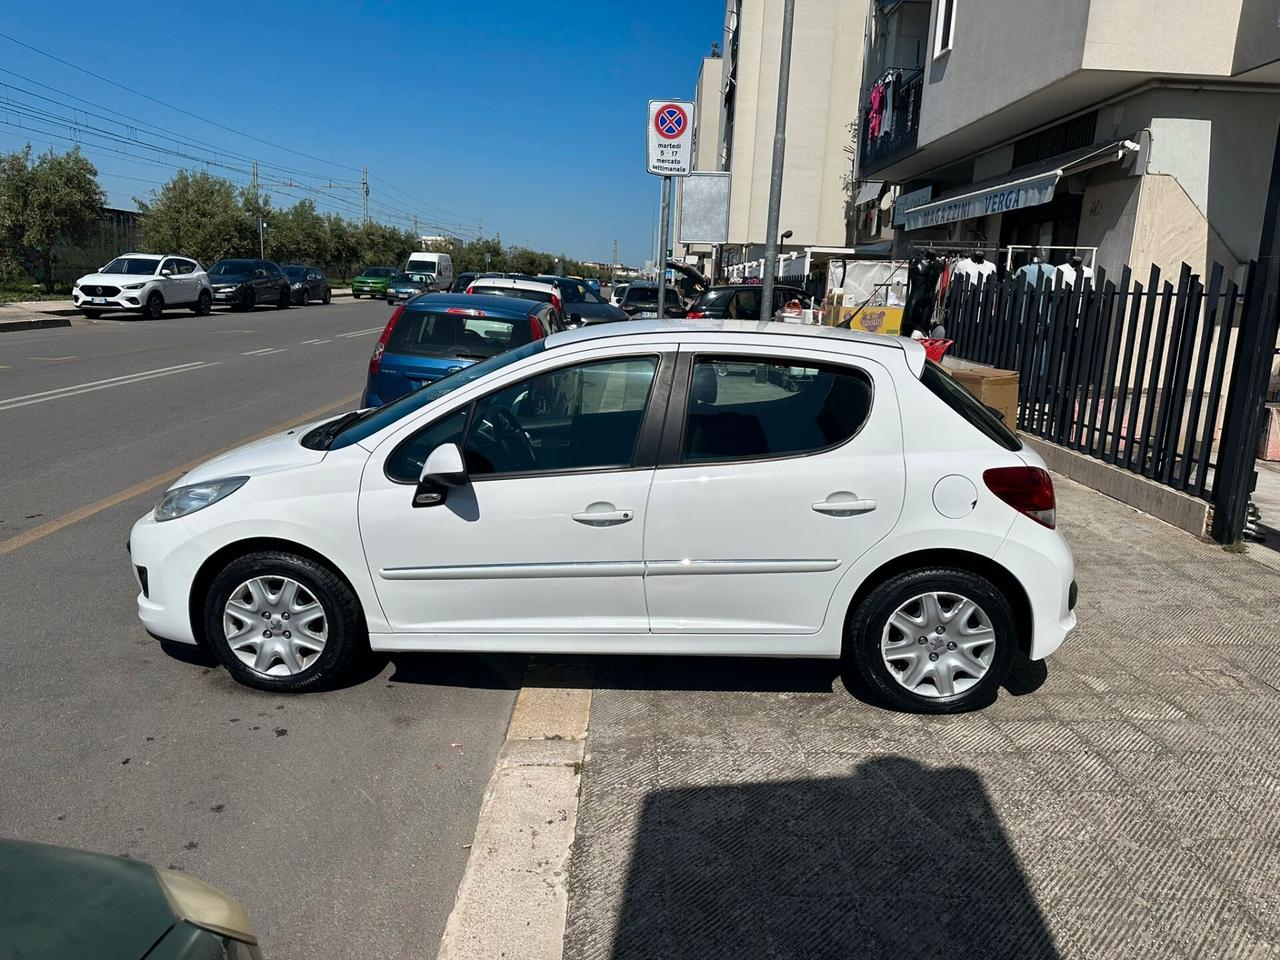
895 861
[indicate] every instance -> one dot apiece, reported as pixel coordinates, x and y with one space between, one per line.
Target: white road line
361 333
317 341
50 358
254 353
274 350
14 402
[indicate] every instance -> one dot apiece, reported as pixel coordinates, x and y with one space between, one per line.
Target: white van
438 265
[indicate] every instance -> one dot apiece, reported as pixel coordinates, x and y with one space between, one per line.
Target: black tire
346 639
391 301
286 298
248 300
92 314
154 308
870 619
204 304
328 295
354 295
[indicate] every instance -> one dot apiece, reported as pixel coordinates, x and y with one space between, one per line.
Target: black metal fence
1138 375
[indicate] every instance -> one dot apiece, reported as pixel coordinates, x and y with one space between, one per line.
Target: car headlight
181 501
133 286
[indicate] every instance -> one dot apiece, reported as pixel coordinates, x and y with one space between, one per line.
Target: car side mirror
444 468
166 272
259 274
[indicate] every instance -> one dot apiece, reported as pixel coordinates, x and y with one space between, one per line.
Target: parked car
640 301
146 283
630 488
594 284
437 266
522 288
616 293
410 287
436 335
373 281
243 284
741 301
308 283
581 304
57 903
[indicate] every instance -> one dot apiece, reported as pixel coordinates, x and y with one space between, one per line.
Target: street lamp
784 238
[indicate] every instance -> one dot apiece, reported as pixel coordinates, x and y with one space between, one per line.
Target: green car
62 904
373 281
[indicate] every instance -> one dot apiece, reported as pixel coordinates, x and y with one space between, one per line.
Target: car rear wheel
154 308
282 622
286 298
204 304
937 640
328 295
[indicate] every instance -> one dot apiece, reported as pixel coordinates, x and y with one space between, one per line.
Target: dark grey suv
243 284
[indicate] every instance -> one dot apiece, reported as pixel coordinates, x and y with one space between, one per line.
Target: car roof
751 286
505 306
516 283
727 329
150 256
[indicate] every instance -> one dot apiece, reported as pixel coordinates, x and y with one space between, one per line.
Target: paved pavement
339 819
1121 803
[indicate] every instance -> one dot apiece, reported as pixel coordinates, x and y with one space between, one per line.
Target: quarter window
753 409
405 464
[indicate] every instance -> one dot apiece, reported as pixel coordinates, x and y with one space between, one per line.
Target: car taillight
1028 490
555 302
470 289
694 315
535 327
375 361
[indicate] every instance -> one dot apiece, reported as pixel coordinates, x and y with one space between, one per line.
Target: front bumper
124 300
369 291
165 559
402 294
235 296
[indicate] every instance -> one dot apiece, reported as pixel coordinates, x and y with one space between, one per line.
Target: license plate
99 300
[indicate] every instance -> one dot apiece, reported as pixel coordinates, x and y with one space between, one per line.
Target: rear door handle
844 505
603 515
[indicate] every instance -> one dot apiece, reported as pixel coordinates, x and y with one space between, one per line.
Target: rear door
778 470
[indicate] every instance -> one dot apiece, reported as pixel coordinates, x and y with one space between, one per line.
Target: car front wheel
204 304
936 640
154 308
281 622
286 299
328 295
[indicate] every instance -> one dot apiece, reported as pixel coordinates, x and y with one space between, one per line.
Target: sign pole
664 227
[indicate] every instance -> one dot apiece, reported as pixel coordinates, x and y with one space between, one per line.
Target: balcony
889 134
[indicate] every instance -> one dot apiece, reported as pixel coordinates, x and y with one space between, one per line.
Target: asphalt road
339 819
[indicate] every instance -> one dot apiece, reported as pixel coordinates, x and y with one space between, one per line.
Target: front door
777 472
546 536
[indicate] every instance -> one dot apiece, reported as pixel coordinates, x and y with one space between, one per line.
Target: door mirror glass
445 465
259 274
166 272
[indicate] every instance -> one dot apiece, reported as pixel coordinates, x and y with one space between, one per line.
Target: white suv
147 283
718 487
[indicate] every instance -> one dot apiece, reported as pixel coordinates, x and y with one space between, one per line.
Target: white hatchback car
719 487
147 283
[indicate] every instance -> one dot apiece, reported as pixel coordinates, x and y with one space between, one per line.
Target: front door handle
844 505
603 515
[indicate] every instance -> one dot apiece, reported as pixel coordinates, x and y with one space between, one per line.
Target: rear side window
429 334
755 409
950 391
540 296
712 300
641 295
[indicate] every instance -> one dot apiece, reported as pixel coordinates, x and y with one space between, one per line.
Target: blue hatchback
434 335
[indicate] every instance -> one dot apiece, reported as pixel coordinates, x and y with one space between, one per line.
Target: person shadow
896 861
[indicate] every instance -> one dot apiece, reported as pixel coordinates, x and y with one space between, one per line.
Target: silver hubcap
275 626
938 644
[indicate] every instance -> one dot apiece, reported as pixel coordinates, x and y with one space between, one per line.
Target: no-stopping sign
670 137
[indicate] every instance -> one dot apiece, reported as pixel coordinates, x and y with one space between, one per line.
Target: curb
34 323
514 897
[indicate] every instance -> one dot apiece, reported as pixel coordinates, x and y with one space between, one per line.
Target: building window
945 27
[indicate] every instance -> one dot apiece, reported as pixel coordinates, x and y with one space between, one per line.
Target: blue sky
525 118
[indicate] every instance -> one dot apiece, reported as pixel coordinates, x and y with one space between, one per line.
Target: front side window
585 417
742 409
405 464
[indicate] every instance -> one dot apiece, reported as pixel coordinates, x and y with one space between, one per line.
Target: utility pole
257 211
613 264
779 153
663 228
364 189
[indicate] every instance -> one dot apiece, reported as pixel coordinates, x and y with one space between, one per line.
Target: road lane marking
50 358
11 403
361 333
254 353
317 341
164 479
268 353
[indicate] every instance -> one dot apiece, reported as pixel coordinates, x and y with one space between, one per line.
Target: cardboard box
995 387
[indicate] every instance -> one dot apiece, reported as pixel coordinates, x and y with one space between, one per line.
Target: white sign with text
670 138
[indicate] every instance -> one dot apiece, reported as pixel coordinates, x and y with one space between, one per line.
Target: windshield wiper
330 431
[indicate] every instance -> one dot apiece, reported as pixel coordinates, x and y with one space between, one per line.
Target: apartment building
1136 131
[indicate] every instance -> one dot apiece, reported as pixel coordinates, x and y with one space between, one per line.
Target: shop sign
909 201
1010 196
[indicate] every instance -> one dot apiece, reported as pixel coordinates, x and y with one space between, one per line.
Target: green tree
298 235
200 216
52 202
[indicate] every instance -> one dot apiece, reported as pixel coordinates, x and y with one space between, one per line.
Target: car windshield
422 266
230 267
642 295
376 272
374 420
539 296
131 265
295 273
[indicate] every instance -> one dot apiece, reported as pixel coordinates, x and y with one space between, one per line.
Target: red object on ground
935 349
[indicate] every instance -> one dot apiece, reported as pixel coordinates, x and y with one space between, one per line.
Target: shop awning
1028 186
868 192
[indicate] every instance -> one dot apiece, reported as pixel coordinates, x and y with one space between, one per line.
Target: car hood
280 451
216 279
115 279
370 280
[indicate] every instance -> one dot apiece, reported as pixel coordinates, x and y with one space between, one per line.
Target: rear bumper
1042 562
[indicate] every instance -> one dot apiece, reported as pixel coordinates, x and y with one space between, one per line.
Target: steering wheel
511 430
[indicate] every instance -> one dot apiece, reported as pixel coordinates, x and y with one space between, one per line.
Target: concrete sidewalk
1119 801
